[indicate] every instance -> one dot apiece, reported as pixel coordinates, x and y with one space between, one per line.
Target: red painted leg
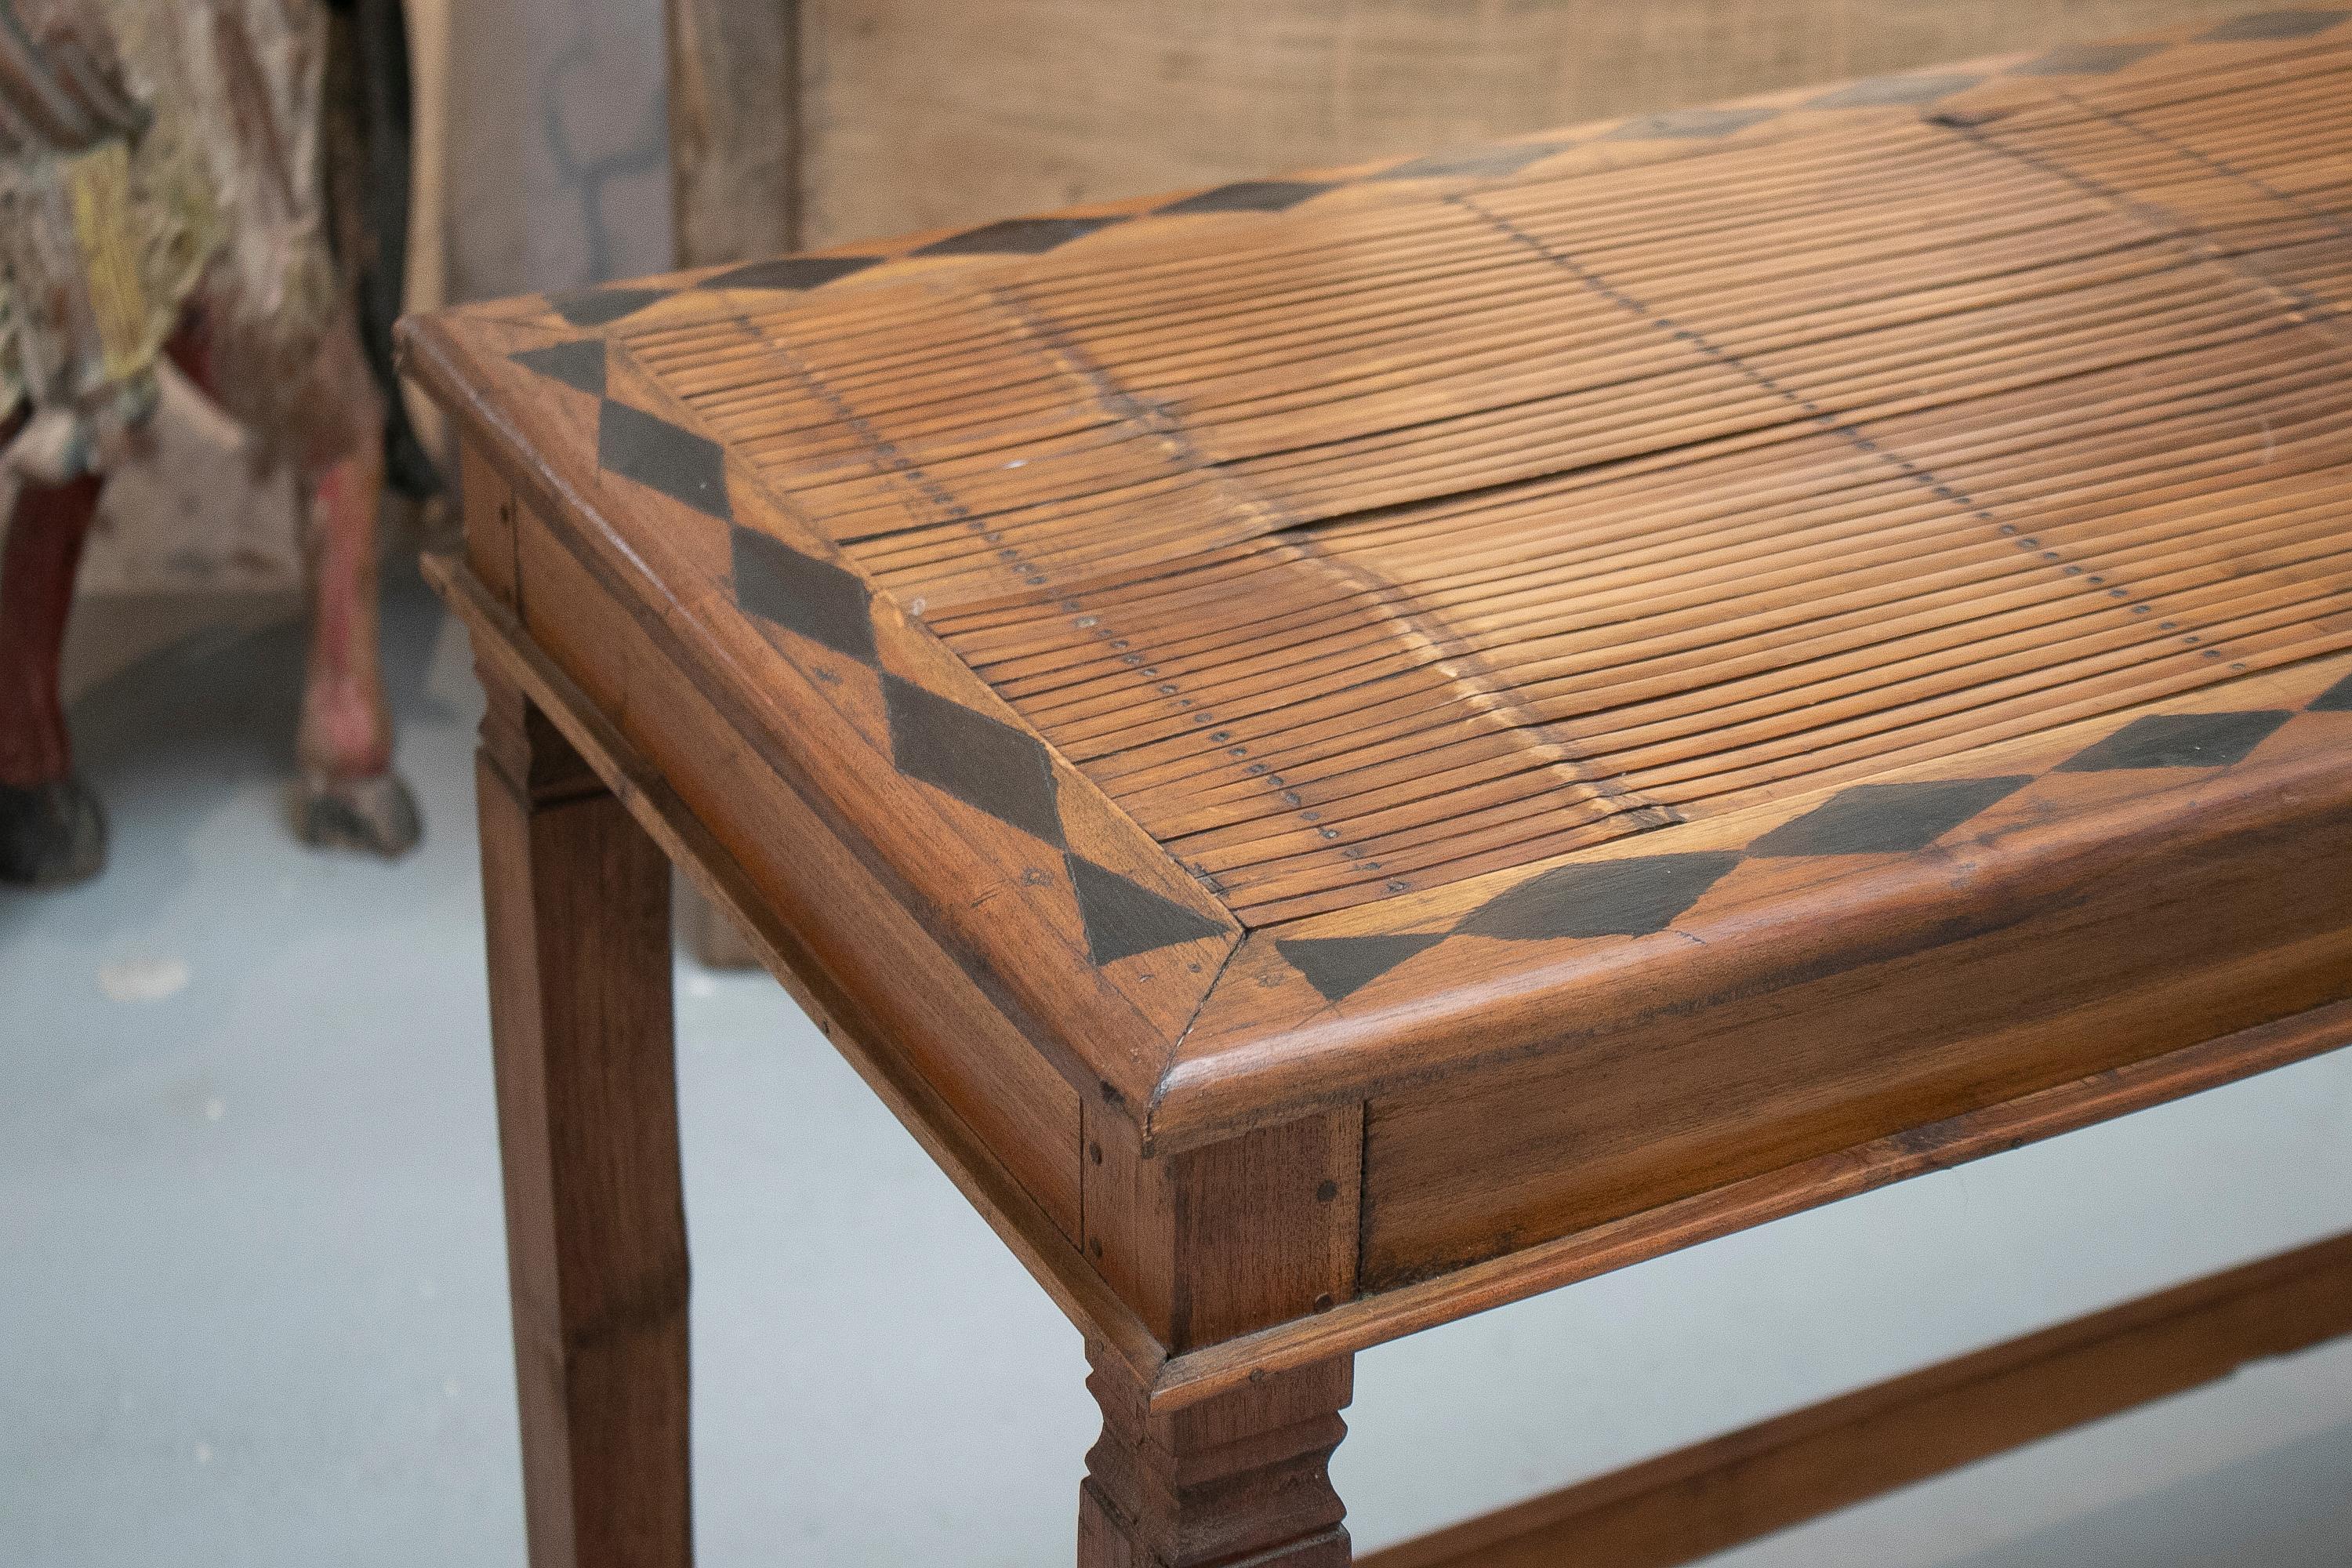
51 830
348 796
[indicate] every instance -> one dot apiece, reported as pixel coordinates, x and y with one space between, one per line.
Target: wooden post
1207 1244
734 137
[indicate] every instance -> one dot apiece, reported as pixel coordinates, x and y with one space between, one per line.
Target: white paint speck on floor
253 1299
142 979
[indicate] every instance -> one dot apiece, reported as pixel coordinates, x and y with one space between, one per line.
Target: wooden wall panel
921 113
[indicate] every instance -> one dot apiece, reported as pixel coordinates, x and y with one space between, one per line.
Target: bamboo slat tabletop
1371 539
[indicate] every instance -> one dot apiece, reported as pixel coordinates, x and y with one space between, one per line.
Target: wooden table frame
578 832
1235 1154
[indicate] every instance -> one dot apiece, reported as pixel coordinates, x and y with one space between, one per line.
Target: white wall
559 145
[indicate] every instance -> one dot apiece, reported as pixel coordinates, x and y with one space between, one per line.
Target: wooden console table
1350 748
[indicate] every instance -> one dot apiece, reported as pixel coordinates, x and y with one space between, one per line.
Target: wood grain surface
1377 1317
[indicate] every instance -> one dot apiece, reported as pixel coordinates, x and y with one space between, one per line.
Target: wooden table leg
1241 1478
577 899
1208 1243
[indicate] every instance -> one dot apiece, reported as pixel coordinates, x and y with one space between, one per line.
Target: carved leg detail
1240 1480
51 830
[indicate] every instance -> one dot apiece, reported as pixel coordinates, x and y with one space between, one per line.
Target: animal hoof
50 835
376 814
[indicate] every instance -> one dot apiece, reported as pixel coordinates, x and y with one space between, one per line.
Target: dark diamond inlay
579 364
1886 818
2087 59
596 307
1249 197
1893 92
1123 918
794 272
802 594
1016 237
2336 698
2179 740
1484 162
1339 965
680 464
994 767
1692 122
2273 27
1601 898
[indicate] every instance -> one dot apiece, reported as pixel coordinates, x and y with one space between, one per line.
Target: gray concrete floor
252 1303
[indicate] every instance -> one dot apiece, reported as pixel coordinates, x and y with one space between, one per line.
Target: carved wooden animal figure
163 214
